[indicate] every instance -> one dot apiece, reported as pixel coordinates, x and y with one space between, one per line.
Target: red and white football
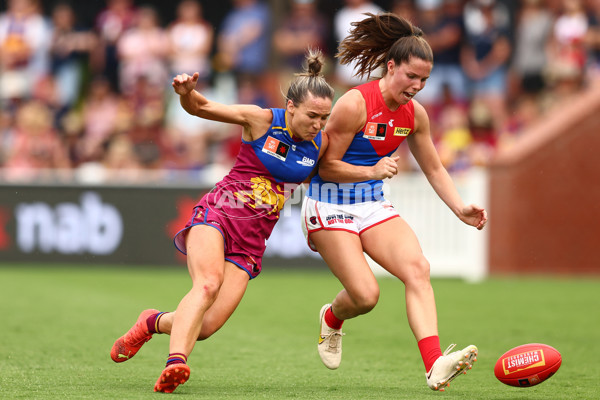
527 365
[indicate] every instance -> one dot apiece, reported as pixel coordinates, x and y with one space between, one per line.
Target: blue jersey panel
381 135
286 159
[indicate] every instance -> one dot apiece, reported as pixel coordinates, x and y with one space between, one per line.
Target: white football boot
449 366
330 342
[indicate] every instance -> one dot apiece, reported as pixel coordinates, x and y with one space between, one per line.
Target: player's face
405 80
309 117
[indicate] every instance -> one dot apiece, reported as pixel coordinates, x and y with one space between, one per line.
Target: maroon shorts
234 253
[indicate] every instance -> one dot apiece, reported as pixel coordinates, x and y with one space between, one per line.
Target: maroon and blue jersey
381 135
244 206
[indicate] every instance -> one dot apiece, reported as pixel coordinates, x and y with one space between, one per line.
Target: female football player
225 237
345 213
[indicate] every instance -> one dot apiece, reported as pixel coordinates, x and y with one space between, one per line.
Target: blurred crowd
94 103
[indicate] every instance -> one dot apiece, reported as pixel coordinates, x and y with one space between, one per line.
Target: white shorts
353 218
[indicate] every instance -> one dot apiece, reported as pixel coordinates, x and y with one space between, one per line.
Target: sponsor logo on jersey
307 162
401 131
375 131
276 148
391 123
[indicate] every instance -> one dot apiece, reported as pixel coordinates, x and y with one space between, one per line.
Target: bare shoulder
258 121
421 117
419 109
254 112
352 100
348 114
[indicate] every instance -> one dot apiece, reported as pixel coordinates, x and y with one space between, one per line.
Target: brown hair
380 38
310 80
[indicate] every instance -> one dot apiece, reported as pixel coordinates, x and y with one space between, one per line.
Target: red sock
332 321
430 350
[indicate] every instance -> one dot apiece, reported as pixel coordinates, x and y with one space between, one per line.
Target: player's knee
417 273
208 286
366 300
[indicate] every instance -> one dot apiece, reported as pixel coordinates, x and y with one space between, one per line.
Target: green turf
58 325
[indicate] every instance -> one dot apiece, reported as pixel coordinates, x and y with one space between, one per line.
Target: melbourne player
345 213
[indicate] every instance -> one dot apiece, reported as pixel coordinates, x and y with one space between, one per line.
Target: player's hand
184 84
387 167
474 215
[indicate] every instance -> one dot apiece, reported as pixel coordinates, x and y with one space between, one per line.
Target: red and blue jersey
381 135
266 172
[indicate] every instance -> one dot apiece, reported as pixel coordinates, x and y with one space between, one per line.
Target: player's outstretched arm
251 117
424 151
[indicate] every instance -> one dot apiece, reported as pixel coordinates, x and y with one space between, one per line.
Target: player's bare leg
404 259
343 254
232 290
394 246
206 265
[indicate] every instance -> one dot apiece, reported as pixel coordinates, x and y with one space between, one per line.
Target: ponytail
379 38
310 80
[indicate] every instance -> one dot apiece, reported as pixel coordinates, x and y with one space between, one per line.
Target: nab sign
88 226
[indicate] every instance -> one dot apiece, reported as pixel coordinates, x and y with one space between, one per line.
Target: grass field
58 325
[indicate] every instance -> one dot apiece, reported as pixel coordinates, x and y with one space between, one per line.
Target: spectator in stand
567 49
190 137
442 23
115 19
406 9
36 146
143 51
455 139
244 40
353 11
304 27
24 42
592 39
100 109
532 35
191 39
69 49
6 133
485 56
525 112
121 162
146 106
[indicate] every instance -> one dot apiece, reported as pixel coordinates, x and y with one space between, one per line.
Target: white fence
453 248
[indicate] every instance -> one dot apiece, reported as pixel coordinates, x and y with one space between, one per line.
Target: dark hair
310 80
379 38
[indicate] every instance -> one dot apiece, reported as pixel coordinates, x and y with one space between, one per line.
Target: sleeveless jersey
379 137
266 172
